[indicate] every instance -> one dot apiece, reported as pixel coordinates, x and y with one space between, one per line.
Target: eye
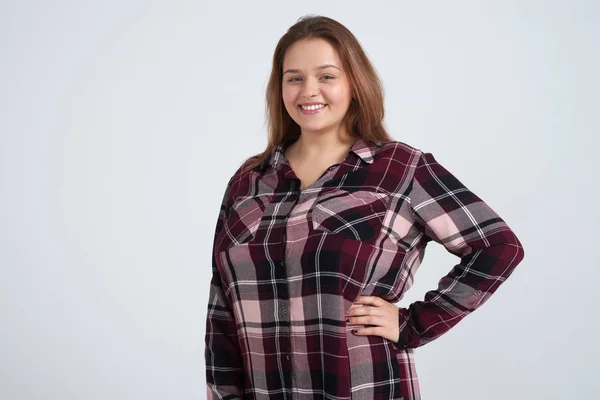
325 76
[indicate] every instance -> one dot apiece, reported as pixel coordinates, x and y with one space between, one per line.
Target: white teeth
311 108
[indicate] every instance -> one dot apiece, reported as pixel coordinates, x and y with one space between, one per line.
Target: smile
312 109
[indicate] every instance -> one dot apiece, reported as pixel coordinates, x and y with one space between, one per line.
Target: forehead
307 54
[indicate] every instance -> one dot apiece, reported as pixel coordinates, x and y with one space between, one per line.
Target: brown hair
364 119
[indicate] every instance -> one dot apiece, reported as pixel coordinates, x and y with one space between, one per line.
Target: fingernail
354 331
347 319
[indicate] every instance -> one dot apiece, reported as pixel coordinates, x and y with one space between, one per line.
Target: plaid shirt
288 263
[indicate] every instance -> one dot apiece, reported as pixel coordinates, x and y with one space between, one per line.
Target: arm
446 211
224 368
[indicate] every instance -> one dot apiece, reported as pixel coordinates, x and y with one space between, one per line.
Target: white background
121 122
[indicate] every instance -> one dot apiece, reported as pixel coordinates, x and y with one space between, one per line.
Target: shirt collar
364 149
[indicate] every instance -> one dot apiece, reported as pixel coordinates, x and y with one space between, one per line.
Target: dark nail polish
347 319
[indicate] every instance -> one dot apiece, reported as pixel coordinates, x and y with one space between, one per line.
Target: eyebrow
317 68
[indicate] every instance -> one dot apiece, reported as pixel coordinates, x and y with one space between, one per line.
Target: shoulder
398 148
399 152
407 154
240 177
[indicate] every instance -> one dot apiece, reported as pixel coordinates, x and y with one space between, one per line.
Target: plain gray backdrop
122 121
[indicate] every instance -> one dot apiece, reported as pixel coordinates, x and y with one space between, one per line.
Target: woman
321 233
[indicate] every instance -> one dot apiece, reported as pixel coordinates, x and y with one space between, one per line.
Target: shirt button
282 263
287 357
478 292
284 311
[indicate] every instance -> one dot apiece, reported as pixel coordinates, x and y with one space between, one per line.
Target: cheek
338 94
288 99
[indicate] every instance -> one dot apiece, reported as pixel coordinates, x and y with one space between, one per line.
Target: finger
377 331
375 301
353 307
360 311
368 320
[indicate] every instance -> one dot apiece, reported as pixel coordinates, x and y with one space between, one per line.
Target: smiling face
312 73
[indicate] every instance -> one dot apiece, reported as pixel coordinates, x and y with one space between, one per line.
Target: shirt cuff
403 339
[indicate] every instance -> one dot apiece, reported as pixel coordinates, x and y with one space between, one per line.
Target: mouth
312 109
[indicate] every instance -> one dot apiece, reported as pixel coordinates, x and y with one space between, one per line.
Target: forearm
465 288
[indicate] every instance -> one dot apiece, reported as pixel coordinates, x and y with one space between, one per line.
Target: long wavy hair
364 118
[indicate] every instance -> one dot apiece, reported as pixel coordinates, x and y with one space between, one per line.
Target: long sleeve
448 213
224 369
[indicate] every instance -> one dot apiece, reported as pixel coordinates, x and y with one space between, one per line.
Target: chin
316 129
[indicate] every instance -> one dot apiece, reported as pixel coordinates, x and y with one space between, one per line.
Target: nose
310 88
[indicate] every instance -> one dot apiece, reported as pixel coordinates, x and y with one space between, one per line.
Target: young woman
321 233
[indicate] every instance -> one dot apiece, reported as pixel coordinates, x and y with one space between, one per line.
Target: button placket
284 311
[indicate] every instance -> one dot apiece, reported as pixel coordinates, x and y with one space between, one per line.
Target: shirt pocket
244 217
357 215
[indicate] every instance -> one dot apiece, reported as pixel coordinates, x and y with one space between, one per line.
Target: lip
309 112
312 103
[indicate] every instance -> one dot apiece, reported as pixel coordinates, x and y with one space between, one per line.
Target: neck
313 147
